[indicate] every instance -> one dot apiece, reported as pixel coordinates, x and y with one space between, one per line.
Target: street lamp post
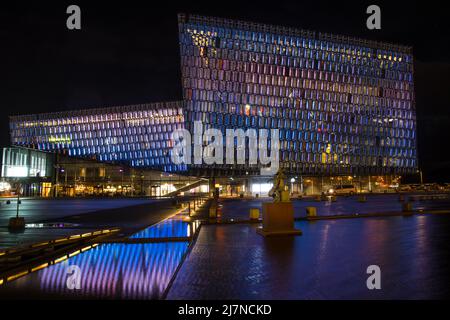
18 201
301 185
420 175
121 172
292 185
56 180
17 224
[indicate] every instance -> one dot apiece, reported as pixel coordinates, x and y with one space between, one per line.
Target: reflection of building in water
124 271
168 228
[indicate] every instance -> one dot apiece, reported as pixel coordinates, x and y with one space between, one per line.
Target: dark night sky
127 52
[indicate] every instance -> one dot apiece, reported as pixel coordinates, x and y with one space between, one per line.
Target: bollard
213 211
318 198
254 213
311 211
401 198
333 198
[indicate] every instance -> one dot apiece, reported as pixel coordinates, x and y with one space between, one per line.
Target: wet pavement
127 214
32 235
328 261
34 210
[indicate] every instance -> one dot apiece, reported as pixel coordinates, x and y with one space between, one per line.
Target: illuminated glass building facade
342 105
138 135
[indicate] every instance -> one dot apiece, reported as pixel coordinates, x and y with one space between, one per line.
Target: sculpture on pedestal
278 216
278 186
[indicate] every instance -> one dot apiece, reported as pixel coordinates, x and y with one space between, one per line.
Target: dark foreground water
108 271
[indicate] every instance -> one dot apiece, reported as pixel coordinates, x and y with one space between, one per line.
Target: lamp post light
121 172
292 185
65 176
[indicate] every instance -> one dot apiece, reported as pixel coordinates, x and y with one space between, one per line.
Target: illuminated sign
53 139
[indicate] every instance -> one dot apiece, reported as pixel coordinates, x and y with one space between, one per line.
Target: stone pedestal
278 219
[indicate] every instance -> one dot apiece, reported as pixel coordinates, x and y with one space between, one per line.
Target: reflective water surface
173 227
109 271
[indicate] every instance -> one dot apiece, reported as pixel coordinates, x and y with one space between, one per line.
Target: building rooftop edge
276 29
89 111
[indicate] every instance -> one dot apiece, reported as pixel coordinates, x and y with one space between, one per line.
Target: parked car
347 189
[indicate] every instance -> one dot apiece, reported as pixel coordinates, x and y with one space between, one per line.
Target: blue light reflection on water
121 271
169 228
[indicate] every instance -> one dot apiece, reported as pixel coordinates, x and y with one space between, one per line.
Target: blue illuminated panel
138 135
